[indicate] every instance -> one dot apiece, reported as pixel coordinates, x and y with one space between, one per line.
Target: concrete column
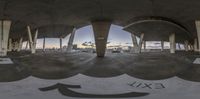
26 45
101 30
162 46
10 45
15 46
4 34
198 33
186 45
140 42
32 41
172 43
191 47
44 44
179 46
60 44
135 44
20 44
144 45
195 44
70 42
30 38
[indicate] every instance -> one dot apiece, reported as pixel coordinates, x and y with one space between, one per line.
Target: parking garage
159 59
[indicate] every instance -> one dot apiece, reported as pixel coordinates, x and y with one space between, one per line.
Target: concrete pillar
172 43
144 45
61 44
70 42
20 44
15 46
162 46
30 38
26 45
10 45
179 46
135 44
32 41
4 34
195 44
140 42
191 47
35 41
198 33
101 30
186 45
44 44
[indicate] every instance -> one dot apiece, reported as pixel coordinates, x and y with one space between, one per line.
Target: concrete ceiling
158 29
68 13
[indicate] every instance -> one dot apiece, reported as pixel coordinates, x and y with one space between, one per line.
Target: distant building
75 46
130 48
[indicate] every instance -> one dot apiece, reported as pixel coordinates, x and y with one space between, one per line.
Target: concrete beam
101 30
172 43
4 34
71 39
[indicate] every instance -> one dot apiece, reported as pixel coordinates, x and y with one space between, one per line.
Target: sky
117 37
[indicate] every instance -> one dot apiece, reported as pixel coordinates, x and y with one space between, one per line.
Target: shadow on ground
148 66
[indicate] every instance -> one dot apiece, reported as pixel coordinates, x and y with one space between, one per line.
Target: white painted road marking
6 61
174 88
196 61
